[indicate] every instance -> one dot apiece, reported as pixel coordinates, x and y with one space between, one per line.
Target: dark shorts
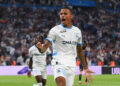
81 67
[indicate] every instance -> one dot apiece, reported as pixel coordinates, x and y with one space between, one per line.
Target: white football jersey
39 59
64 41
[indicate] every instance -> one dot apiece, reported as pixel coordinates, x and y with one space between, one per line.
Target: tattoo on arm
45 46
80 54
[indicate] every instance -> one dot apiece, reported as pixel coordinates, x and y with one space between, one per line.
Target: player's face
65 17
40 39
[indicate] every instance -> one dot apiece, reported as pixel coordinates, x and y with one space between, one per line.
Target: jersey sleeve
51 35
79 35
30 53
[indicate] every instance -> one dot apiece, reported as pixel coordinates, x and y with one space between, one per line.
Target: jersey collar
65 27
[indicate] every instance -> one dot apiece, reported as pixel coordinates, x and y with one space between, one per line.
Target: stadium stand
22 20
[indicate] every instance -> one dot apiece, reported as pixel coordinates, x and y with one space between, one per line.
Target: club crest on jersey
63 35
58 70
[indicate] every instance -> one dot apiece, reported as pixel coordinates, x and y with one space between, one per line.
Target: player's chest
37 53
67 35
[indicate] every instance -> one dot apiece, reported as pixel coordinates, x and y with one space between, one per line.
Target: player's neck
67 26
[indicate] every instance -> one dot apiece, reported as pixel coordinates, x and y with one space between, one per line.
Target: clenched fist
39 45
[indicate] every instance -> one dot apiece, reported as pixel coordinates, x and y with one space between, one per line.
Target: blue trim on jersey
54 54
35 45
79 43
49 40
66 27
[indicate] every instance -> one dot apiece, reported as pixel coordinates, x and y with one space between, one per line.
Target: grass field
100 80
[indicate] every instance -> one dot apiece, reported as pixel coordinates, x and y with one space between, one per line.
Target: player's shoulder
32 48
56 27
76 28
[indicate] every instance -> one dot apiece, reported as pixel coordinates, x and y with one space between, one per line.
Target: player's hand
88 74
29 73
39 45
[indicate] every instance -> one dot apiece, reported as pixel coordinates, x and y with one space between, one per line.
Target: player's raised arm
49 40
44 47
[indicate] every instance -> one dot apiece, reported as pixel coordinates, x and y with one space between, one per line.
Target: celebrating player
67 41
39 64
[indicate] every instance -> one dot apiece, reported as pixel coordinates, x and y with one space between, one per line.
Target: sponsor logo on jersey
39 54
69 42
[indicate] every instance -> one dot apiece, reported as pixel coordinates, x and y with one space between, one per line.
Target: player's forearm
82 59
30 63
80 54
43 48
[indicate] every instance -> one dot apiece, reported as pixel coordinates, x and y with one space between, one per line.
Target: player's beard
67 24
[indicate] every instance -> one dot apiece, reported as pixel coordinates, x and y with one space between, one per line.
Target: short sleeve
51 35
79 40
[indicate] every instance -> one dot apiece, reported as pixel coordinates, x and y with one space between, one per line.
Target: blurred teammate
81 67
67 41
39 64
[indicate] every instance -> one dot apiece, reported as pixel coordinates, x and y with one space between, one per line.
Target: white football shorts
65 71
40 71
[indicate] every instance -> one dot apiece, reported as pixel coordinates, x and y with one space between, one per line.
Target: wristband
29 69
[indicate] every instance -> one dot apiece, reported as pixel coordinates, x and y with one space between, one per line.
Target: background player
65 38
39 64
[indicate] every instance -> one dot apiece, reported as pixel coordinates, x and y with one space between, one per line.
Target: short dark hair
68 7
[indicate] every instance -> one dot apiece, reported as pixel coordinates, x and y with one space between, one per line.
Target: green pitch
100 80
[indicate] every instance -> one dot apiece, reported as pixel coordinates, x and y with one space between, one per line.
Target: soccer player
81 67
38 60
66 39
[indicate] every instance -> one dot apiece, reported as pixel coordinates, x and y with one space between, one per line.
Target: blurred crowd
19 27
36 2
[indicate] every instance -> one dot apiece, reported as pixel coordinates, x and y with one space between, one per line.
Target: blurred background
22 20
